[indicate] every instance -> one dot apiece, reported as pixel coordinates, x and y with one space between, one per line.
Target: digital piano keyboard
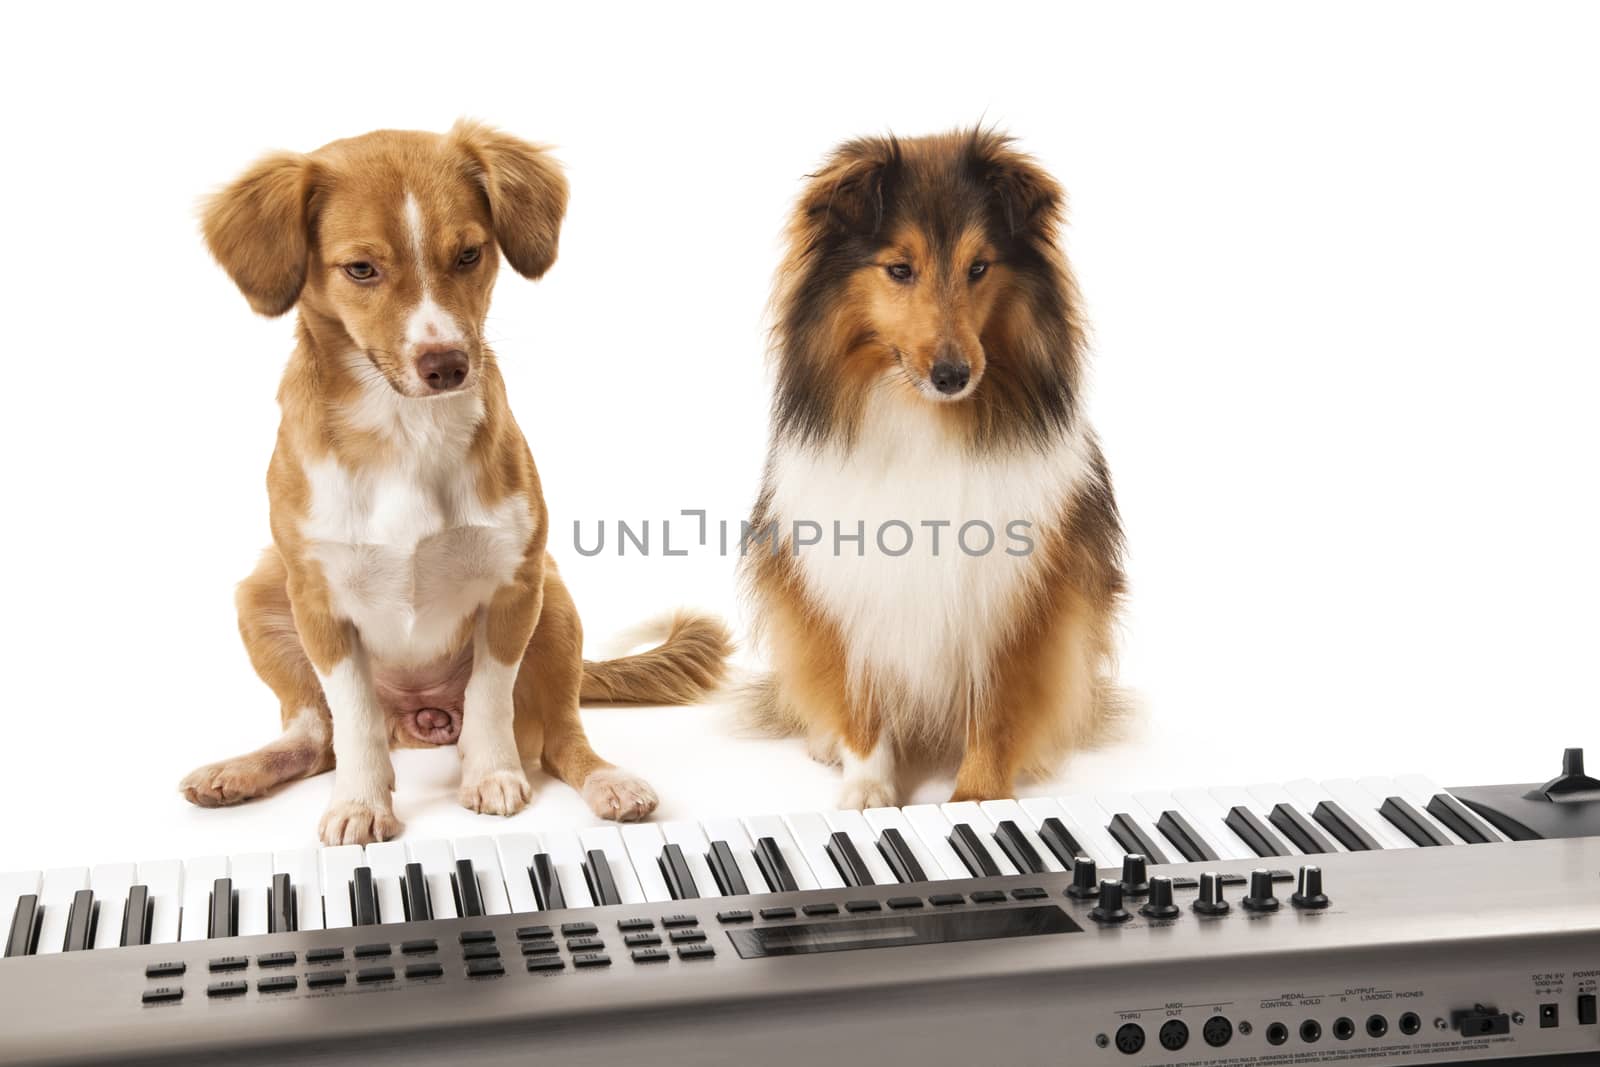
1369 920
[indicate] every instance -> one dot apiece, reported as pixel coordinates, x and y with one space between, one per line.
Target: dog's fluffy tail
689 661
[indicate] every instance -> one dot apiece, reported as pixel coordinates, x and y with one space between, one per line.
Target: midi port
1480 1021
1410 1023
1130 1039
1174 1034
1344 1028
1311 1031
1277 1034
1377 1026
1217 1031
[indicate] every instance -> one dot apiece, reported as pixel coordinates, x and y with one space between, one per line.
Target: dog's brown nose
441 368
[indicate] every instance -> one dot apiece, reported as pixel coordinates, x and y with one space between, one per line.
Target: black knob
1210 901
1160 905
1110 909
1085 879
1135 881
1308 890
1260 897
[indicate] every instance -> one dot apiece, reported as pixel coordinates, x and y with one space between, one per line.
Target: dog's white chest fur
409 549
921 627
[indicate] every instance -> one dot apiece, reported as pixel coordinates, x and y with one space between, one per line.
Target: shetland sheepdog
935 557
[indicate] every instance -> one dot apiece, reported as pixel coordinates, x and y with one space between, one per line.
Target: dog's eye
361 272
977 269
900 272
468 257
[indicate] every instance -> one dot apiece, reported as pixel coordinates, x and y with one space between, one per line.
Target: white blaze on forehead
428 323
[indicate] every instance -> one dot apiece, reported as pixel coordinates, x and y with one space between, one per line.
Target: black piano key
1455 815
222 922
597 872
1059 840
1184 837
1411 822
964 839
1254 833
469 899
363 898
80 922
1345 830
414 894
1134 841
1299 830
25 921
675 869
852 868
546 883
774 868
1015 844
136 917
280 905
898 855
725 869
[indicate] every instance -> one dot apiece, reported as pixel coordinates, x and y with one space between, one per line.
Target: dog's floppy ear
1027 199
258 230
852 191
526 190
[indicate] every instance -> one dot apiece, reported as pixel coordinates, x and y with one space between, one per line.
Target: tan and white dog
407 599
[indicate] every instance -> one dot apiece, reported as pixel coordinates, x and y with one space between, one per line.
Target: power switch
1586 1009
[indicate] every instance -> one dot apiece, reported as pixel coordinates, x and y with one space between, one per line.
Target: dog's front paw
496 793
354 822
613 793
861 793
217 785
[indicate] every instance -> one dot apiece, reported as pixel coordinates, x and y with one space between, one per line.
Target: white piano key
1270 794
1092 819
933 829
1420 790
1209 818
387 860
438 864
866 842
1000 811
643 842
302 868
968 811
338 870
252 878
881 819
773 826
732 831
486 868
1382 789
1229 797
1353 797
1115 803
1156 804
810 832
608 839
56 891
692 840
110 883
199 876
566 852
163 882
516 857
14 884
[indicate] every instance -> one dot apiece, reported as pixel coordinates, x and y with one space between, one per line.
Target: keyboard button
162 994
424 970
227 989
585 944
578 929
696 952
420 946
546 963
591 959
485 968
904 903
324 955
945 900
534 933
277 959
1029 892
643 938
278 983
728 917
481 952
678 919
539 948
375 974
477 937
325 979
375 951
820 909
170 969
230 963
858 906
626 925
683 937
988 896
650 955
783 912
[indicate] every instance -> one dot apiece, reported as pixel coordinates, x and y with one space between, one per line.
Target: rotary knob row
1109 894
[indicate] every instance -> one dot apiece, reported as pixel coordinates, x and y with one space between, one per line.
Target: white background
1341 262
